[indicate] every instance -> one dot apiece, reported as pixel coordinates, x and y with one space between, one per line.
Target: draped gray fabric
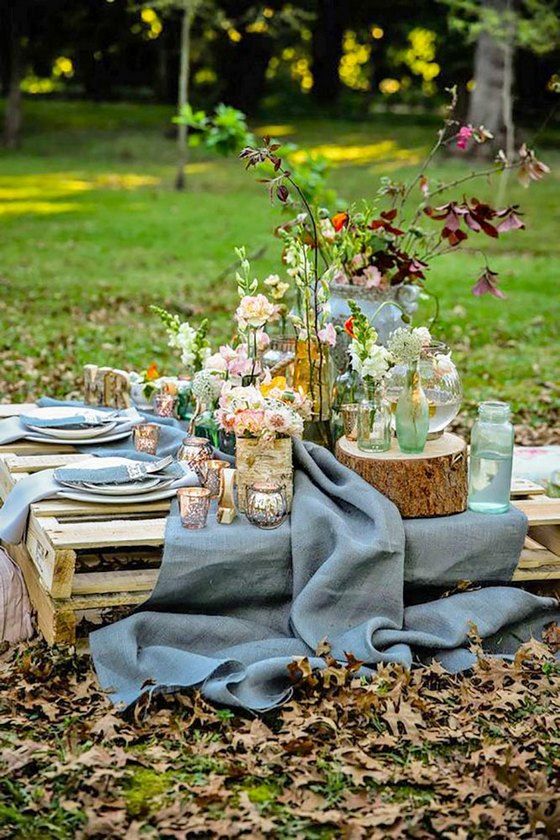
233 604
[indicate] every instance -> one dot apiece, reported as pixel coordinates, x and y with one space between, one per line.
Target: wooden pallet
86 564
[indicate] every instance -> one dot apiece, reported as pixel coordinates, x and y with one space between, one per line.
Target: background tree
500 28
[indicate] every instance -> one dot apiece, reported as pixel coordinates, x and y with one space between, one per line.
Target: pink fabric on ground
15 610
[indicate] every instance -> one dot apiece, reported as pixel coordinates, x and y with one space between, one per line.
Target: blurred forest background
94 230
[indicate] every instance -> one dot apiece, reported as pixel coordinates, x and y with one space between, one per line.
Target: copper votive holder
349 414
146 436
195 451
165 404
194 503
211 476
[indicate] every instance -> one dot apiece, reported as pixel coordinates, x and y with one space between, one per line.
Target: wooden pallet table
88 564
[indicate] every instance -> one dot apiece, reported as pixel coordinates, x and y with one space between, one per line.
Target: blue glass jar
491 459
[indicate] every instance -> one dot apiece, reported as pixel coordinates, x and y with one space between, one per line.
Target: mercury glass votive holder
194 503
211 476
349 413
267 506
194 452
165 404
146 437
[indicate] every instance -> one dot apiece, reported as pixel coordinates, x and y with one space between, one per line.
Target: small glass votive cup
165 404
267 506
146 437
211 476
194 503
349 413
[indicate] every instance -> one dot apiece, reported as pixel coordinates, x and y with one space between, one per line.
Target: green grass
93 233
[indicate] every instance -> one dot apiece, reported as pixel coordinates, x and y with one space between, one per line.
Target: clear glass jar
491 459
279 357
440 382
374 421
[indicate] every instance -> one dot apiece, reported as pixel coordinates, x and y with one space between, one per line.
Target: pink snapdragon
327 335
463 136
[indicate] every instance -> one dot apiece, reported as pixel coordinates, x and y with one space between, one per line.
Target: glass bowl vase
441 383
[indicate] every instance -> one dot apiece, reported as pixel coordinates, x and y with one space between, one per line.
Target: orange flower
349 326
339 220
152 372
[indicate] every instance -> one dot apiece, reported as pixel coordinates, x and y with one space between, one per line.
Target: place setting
69 425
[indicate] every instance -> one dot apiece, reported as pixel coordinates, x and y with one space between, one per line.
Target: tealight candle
194 503
211 475
146 436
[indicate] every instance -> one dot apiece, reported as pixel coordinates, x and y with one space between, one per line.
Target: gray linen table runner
233 605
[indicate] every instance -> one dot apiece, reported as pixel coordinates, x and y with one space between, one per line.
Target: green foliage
224 132
171 322
531 25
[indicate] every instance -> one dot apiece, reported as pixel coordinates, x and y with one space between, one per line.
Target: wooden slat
65 509
524 487
540 511
90 583
36 463
55 564
113 533
547 535
29 447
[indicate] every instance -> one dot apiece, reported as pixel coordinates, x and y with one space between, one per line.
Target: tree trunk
490 101
327 50
13 115
183 93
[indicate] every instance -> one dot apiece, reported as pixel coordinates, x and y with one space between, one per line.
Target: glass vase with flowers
412 411
371 361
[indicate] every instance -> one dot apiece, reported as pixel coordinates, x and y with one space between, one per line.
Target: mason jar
491 459
374 422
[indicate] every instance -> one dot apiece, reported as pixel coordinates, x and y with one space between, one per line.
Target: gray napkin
136 471
77 421
13 428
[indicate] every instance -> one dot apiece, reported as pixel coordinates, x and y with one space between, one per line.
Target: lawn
93 233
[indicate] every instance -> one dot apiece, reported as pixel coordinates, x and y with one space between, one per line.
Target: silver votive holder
211 476
194 503
165 404
146 437
267 506
194 451
349 413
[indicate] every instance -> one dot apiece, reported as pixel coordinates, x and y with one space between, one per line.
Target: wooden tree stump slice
433 483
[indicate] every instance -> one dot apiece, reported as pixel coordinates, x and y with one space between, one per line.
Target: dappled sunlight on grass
274 130
43 193
40 208
356 155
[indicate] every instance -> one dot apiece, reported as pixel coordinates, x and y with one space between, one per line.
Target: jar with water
491 459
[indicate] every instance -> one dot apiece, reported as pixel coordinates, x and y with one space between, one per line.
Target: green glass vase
412 418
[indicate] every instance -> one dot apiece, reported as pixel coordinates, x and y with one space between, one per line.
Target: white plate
100 499
83 441
75 434
132 488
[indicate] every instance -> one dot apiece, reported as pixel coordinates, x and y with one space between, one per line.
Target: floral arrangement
377 246
405 346
253 313
192 343
272 411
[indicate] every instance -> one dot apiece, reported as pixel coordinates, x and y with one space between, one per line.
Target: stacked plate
54 425
149 487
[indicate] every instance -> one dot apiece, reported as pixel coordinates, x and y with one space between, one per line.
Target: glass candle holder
266 505
165 404
194 451
349 413
194 503
146 437
211 476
